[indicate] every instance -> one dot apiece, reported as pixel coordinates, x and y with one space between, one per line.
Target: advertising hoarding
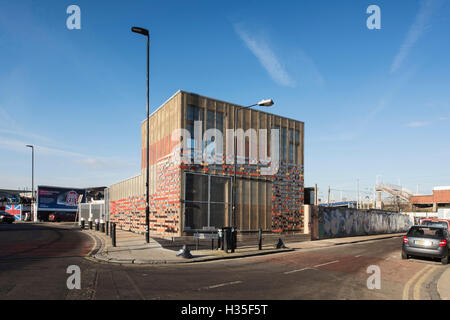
58 198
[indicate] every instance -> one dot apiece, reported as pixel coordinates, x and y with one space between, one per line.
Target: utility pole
329 195
32 184
357 191
145 33
315 194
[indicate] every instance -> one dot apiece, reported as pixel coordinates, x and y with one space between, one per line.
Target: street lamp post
145 32
262 103
32 182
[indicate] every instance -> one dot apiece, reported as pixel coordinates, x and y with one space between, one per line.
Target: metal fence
91 211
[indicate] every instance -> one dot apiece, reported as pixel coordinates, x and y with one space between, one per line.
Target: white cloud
261 49
417 124
93 162
417 29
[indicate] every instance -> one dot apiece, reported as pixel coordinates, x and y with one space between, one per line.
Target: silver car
426 241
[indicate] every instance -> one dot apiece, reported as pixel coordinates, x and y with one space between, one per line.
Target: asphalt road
34 260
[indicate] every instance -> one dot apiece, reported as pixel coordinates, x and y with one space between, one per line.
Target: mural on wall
345 222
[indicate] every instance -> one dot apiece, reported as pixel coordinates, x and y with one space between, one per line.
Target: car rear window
426 232
435 223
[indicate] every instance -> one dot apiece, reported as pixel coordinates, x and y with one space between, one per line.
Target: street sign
206 236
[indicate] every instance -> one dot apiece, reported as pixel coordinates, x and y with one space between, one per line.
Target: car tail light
405 239
443 243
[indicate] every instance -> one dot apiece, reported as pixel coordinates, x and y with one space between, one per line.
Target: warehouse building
439 199
192 167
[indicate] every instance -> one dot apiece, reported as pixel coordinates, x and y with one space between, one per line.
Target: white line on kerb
324 264
298 270
223 284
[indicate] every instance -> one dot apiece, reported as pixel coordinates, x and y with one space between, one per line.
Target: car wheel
444 260
404 255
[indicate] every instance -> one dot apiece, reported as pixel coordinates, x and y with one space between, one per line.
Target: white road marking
324 264
223 284
298 270
359 255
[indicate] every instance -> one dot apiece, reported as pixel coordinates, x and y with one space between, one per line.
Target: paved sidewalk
132 249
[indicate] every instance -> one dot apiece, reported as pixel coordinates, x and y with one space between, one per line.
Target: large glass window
214 120
283 146
291 146
207 201
193 114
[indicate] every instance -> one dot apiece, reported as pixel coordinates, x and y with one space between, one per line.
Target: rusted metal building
191 170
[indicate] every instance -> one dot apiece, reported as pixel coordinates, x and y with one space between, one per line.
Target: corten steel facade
186 197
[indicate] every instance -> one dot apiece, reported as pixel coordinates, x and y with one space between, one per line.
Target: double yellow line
420 276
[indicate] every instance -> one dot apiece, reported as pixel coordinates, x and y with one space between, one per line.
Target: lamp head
266 103
140 31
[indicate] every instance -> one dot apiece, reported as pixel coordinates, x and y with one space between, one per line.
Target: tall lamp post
262 103
32 182
145 32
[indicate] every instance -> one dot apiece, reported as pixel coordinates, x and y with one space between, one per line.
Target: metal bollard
82 223
260 239
97 225
90 224
107 227
111 229
219 240
233 236
113 235
226 239
102 226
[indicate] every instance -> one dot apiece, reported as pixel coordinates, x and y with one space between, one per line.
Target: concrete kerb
366 240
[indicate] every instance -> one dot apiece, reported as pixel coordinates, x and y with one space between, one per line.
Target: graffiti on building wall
345 222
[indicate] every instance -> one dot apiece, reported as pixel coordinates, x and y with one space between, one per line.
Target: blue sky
374 102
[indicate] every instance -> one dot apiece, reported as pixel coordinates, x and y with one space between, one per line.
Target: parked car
6 218
435 222
61 216
426 241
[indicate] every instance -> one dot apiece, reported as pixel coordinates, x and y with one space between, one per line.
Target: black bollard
90 224
97 226
184 252
107 227
280 244
260 239
226 239
82 223
233 236
102 226
113 235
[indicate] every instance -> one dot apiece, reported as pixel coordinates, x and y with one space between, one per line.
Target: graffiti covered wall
344 222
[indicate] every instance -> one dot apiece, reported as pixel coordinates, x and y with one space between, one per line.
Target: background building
439 199
186 197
